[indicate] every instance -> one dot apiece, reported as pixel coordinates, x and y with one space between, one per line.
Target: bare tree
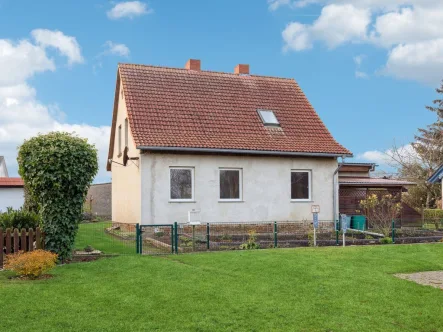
417 161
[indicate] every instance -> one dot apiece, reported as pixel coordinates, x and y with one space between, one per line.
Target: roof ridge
207 71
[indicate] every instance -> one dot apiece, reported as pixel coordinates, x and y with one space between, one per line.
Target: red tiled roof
181 108
372 181
11 182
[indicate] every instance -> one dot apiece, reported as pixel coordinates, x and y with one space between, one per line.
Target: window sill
302 201
231 201
181 201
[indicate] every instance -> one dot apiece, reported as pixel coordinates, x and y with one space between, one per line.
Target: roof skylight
268 117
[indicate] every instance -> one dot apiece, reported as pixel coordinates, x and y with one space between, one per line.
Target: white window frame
185 200
119 140
126 133
266 123
240 184
309 199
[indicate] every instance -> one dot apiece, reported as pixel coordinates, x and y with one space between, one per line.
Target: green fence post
393 231
176 236
336 232
172 238
207 236
137 239
275 235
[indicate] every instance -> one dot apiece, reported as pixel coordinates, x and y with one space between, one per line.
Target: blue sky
368 80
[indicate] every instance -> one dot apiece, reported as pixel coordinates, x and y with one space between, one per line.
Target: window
268 117
126 132
230 184
120 140
301 185
181 184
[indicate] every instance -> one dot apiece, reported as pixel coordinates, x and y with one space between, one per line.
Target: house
436 177
11 189
98 201
356 184
234 146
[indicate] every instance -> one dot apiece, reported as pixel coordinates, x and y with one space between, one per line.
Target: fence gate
155 239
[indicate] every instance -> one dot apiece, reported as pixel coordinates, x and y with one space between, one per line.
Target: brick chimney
193 64
241 69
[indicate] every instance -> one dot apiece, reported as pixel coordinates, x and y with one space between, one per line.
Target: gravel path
433 278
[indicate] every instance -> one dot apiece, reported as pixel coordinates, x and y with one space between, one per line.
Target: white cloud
276 4
410 30
129 9
22 115
20 61
112 48
336 25
408 25
359 59
66 45
361 74
419 61
386 158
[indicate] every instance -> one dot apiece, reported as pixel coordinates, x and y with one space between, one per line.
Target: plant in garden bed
381 210
57 169
251 244
386 240
32 264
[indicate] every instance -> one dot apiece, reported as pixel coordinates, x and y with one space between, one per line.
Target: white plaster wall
14 197
266 188
126 206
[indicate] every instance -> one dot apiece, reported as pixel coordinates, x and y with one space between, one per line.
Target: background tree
57 169
30 204
422 158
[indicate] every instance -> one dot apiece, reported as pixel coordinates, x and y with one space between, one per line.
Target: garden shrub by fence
14 240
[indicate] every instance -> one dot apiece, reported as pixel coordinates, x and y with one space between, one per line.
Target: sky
368 67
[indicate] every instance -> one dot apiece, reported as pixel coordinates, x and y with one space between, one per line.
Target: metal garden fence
176 238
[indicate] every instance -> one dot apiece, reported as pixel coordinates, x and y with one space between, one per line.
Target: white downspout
335 189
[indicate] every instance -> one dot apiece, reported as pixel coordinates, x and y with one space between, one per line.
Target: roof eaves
240 151
437 176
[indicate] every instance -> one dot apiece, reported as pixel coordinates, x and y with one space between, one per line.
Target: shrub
386 240
434 216
19 219
381 210
57 169
250 244
31 264
88 248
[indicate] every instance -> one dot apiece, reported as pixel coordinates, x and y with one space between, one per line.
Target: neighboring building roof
194 110
3 169
11 183
377 182
437 176
357 167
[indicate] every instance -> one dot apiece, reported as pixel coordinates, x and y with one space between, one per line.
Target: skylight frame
268 122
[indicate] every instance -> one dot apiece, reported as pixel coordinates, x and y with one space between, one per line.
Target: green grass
306 289
93 234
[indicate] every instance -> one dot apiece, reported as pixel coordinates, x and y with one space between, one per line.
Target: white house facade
11 189
235 147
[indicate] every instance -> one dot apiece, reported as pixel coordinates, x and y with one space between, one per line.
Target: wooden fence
13 240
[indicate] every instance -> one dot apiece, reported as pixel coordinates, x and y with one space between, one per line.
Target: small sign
315 208
315 219
344 223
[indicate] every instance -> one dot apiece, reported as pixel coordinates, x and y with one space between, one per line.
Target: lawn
304 289
94 234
